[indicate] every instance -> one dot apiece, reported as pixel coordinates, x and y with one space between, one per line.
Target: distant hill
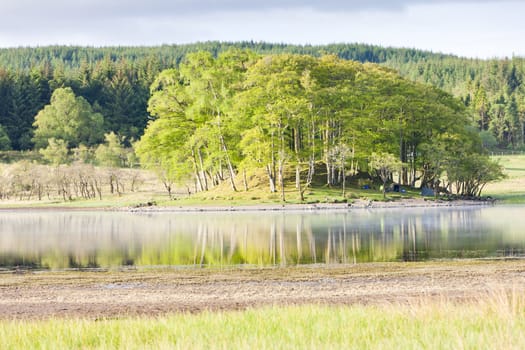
116 80
73 57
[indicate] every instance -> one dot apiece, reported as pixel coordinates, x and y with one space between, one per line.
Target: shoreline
359 204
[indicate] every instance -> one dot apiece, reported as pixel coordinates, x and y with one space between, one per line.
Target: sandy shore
159 292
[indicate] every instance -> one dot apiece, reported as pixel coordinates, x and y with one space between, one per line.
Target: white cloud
473 28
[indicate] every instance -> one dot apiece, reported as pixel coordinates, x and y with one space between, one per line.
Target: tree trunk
198 183
297 177
111 185
271 178
168 188
298 183
281 179
328 162
202 171
229 164
344 180
328 173
245 181
282 156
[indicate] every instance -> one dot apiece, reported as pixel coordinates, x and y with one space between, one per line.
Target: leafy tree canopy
116 81
68 118
56 152
216 117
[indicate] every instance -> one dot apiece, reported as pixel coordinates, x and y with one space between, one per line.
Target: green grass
512 189
509 191
514 165
498 322
258 193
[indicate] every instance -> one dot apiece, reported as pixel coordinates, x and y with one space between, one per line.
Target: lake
46 239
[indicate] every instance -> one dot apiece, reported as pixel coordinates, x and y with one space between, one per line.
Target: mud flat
152 292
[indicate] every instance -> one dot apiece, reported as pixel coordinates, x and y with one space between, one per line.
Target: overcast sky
483 28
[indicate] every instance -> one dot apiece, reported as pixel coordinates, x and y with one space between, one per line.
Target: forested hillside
116 81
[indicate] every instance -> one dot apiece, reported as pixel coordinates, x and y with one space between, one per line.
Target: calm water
47 239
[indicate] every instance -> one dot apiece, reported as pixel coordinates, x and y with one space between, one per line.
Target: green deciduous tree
472 172
111 153
161 150
384 165
488 140
56 152
282 115
69 118
195 101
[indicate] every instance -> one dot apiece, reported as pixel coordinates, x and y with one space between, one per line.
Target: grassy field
509 191
512 189
151 191
497 323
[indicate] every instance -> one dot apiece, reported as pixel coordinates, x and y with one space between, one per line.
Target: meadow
512 189
496 322
149 190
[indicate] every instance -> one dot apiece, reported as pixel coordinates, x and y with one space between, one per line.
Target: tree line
115 81
32 181
281 117
491 89
118 90
59 171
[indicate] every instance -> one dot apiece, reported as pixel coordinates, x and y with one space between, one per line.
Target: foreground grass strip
497 322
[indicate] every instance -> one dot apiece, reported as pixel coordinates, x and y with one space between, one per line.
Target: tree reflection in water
47 239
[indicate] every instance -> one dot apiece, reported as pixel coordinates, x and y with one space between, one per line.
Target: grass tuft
495 320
